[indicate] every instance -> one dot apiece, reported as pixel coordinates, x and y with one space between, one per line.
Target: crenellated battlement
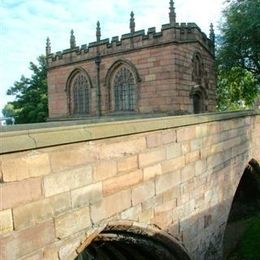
173 32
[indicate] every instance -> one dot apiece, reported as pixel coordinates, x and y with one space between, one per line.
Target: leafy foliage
8 110
241 36
31 104
237 89
238 55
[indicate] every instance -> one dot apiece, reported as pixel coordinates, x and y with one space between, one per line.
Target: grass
249 245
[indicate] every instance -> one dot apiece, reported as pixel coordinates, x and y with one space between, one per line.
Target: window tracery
124 89
197 69
80 94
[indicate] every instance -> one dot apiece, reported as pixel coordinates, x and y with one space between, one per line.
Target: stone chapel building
171 71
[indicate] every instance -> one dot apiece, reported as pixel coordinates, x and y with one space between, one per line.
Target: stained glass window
124 87
197 69
80 94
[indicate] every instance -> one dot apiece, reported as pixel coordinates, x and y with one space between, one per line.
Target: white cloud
25 24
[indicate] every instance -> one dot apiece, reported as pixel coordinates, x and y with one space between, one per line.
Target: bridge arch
245 205
247 191
132 241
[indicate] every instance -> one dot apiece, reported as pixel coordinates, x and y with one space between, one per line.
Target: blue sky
25 25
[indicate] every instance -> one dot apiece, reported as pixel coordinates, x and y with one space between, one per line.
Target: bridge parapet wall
61 184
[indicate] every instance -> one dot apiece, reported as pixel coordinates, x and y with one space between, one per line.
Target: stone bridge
149 188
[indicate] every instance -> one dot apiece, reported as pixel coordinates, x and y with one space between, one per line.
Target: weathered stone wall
163 61
178 173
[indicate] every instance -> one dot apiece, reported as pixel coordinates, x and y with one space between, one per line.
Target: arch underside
244 207
125 245
246 200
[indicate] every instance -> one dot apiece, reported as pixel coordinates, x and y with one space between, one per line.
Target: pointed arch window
79 94
124 89
197 68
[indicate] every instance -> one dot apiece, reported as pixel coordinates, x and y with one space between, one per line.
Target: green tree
238 55
237 89
31 103
8 110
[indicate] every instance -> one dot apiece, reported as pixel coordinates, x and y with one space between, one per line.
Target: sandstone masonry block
151 157
162 219
187 173
146 216
167 181
215 160
123 148
167 206
51 251
143 192
173 150
17 193
105 170
40 211
150 77
187 191
25 166
1 173
127 164
152 202
86 195
153 140
151 171
202 130
185 146
111 205
6 221
173 164
34 256
72 222
189 209
67 180
197 144
19 244
200 167
192 157
122 182
168 136
187 133
71 156
132 213
173 193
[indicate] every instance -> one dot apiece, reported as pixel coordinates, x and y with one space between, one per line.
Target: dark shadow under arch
245 205
133 243
247 196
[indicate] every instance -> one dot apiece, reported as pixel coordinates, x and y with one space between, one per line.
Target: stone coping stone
34 136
